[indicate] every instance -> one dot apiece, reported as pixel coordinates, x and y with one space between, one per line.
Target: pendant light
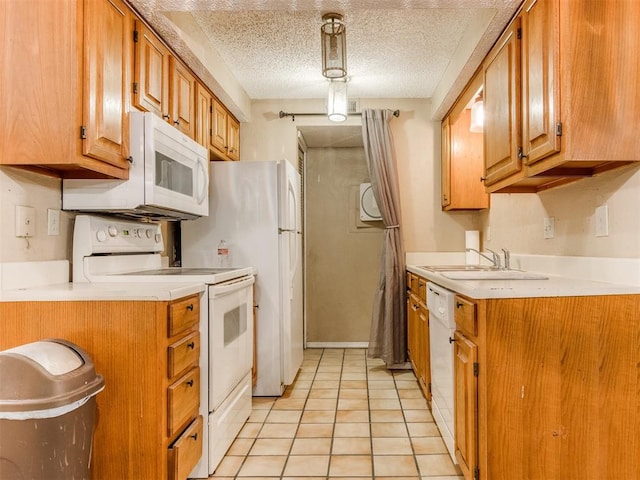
334 46
337 101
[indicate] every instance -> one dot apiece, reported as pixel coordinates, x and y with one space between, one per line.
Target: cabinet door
502 107
203 115
540 85
465 355
445 161
233 138
107 74
413 333
424 368
219 126
151 72
182 97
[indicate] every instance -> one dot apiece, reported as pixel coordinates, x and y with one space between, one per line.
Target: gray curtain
388 338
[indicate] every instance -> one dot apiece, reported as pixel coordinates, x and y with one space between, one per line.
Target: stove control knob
139 232
158 238
101 235
113 230
149 233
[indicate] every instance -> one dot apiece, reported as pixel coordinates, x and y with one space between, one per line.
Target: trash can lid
54 357
46 375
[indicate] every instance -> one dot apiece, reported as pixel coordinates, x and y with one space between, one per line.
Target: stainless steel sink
493 275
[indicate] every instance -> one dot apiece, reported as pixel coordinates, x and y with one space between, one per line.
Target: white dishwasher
440 303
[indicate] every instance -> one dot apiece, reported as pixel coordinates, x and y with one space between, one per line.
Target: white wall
417 146
20 187
516 220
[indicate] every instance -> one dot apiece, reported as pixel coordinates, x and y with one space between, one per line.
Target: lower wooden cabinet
418 332
547 388
148 425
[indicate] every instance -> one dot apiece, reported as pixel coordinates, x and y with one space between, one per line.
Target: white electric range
107 249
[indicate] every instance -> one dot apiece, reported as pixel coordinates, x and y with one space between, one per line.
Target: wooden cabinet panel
424 358
204 105
418 332
65 113
185 453
127 341
462 157
151 72
219 125
183 315
183 401
502 107
465 355
233 138
182 97
107 74
183 354
465 316
540 97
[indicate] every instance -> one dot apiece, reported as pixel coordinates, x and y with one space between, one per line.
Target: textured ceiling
395 48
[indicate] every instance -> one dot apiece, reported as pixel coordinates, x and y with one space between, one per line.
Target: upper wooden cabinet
578 79
162 83
462 167
225 134
182 97
151 72
65 99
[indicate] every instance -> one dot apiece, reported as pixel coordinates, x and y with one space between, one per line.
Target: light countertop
103 291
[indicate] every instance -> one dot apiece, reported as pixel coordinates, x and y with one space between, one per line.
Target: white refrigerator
255 208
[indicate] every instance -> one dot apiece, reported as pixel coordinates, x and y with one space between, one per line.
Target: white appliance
442 326
255 207
369 211
168 178
114 250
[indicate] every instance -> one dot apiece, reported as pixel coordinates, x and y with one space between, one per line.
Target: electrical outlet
549 224
53 221
25 221
602 221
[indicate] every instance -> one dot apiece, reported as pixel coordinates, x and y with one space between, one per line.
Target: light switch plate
25 221
549 224
53 221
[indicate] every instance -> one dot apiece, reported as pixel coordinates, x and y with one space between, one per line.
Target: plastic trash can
47 411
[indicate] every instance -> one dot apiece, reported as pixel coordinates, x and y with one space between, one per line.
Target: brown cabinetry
225 135
555 376
162 83
560 94
461 160
418 331
65 111
148 353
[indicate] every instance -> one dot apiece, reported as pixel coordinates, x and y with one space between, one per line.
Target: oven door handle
232 286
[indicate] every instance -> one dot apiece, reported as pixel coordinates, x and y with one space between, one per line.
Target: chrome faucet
495 259
507 259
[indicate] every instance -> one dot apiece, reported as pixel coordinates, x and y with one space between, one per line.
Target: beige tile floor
345 417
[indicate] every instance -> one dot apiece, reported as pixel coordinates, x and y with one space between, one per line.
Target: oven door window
235 324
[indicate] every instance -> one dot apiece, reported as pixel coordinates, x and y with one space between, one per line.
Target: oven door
230 336
176 169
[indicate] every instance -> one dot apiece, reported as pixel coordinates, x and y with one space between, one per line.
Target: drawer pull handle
459 305
191 345
451 339
194 436
190 307
190 383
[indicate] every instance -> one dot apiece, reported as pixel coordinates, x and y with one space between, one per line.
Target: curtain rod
396 113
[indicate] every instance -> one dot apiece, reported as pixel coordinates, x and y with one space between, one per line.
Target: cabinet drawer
183 354
186 451
465 316
183 400
183 314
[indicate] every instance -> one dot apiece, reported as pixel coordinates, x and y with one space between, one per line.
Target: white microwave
168 178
